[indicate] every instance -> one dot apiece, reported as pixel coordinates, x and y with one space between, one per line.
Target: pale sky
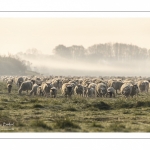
20 34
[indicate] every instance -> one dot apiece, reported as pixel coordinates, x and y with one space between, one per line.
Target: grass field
24 113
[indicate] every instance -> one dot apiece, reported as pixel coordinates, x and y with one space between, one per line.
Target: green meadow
24 113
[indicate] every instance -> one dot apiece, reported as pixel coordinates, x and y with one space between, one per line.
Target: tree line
12 65
107 51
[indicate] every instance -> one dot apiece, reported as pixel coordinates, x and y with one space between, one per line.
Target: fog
54 65
79 46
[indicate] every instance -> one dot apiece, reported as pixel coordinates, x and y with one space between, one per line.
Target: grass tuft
101 105
38 106
70 108
116 127
66 123
40 123
34 100
97 125
142 104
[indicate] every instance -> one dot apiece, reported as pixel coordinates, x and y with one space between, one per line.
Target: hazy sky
20 34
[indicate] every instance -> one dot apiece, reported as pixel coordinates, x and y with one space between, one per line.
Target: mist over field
98 60
75 46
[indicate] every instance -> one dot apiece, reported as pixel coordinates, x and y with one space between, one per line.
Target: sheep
115 84
53 92
67 89
110 92
9 85
92 85
146 85
143 85
86 83
128 89
34 89
45 88
85 91
39 91
78 90
65 81
38 81
90 92
19 80
101 89
57 83
74 83
25 86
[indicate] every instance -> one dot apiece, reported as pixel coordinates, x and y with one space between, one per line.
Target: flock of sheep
83 86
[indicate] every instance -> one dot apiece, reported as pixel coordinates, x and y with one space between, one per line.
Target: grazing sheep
34 89
101 89
90 92
85 91
78 90
39 91
86 83
57 83
45 88
146 85
129 81
65 81
115 84
25 86
110 92
18 81
128 89
80 81
53 92
9 85
92 85
143 85
38 81
67 89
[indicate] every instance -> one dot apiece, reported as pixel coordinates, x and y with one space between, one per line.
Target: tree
62 51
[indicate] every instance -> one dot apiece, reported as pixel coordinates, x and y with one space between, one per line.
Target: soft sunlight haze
44 34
